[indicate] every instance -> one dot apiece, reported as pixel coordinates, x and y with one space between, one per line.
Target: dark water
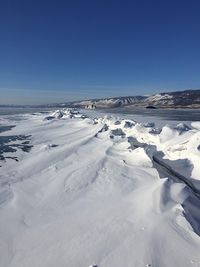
7 145
8 142
6 128
12 143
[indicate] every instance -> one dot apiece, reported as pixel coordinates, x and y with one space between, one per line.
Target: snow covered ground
100 192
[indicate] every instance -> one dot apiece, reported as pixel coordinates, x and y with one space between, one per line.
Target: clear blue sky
54 50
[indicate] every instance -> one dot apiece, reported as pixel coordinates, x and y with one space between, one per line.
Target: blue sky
54 51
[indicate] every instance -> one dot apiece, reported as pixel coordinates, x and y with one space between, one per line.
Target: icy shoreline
89 192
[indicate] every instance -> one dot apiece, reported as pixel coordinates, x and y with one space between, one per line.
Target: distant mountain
187 98
178 99
110 102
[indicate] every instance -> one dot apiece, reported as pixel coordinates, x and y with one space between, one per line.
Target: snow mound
179 144
65 113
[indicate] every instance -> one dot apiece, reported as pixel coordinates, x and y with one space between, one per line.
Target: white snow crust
105 192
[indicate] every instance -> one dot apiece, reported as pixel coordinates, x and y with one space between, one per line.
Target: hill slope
188 98
179 99
110 102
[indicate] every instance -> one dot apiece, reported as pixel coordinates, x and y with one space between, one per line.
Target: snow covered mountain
110 102
188 98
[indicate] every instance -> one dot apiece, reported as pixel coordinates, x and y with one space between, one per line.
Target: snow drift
89 193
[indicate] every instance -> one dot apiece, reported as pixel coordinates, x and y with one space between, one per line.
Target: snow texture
100 192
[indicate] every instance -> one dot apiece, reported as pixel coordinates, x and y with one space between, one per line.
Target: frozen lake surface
161 116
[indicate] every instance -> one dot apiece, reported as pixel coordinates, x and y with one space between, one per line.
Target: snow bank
65 113
90 194
179 144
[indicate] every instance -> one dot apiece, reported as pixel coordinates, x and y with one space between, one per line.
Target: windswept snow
91 193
